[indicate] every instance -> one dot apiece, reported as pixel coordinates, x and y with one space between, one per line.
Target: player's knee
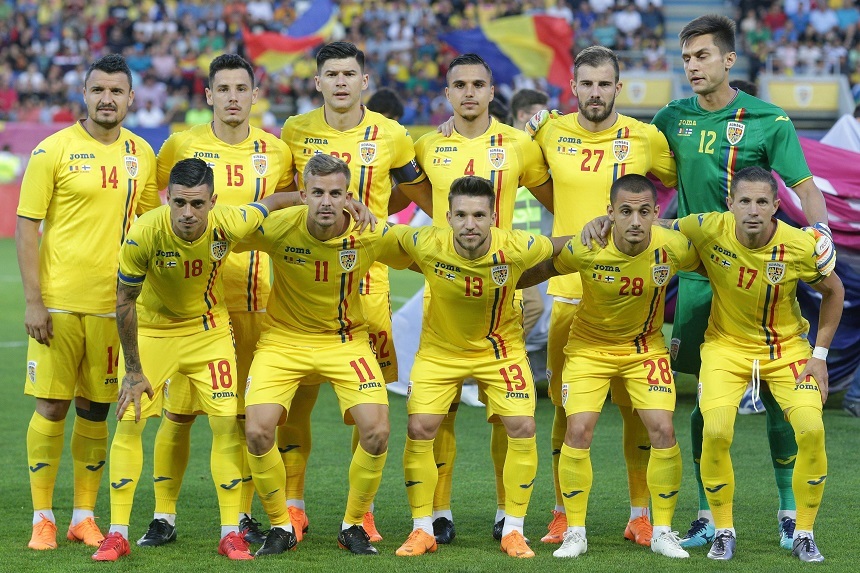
719 426
521 427
96 412
374 440
808 428
662 435
419 428
260 440
578 436
181 418
53 410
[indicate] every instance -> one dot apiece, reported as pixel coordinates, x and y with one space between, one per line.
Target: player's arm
420 193
37 319
544 270
829 314
543 193
134 383
815 209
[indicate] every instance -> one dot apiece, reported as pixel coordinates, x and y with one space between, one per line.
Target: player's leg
52 376
783 452
561 317
637 452
498 453
294 443
445 454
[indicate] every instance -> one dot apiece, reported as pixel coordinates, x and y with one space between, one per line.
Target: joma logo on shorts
725 252
607 268
522 395
222 395
369 385
109 381
666 389
205 155
806 386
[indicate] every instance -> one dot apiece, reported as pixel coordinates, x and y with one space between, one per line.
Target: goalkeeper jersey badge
660 274
367 151
219 249
496 156
348 258
261 163
735 132
131 165
500 274
621 149
775 272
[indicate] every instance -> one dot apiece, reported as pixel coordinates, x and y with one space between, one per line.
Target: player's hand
361 215
446 128
825 252
817 369
596 230
536 122
134 386
38 323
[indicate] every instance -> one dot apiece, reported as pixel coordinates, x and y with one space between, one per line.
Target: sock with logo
89 455
226 466
365 473
170 459
664 481
445 452
783 449
44 449
637 456
559 429
126 463
718 477
697 423
575 478
810 471
499 451
419 469
519 475
246 497
294 439
269 477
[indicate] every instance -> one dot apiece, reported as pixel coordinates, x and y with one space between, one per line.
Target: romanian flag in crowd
275 51
536 46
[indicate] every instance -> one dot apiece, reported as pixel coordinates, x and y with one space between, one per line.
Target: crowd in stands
46 46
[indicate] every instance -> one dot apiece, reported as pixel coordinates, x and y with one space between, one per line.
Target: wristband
820 352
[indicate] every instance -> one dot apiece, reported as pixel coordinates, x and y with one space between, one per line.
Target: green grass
473 498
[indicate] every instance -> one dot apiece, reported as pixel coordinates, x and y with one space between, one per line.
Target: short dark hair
324 164
110 64
387 102
754 174
472 186
229 62
745 86
339 51
192 172
469 60
594 57
720 27
526 98
500 111
634 183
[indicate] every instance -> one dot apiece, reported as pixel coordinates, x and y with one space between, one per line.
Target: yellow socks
419 469
637 455
575 478
810 468
126 463
664 482
170 459
498 451
269 477
445 452
519 475
44 449
718 477
365 473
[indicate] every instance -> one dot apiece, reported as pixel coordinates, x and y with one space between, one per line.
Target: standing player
316 326
377 150
86 183
486 343
587 152
482 146
756 330
714 134
248 164
171 261
616 335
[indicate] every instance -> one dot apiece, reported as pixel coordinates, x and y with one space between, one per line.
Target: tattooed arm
134 384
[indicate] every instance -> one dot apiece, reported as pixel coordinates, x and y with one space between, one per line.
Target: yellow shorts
507 386
207 363
377 309
81 361
278 369
726 373
560 319
246 333
647 379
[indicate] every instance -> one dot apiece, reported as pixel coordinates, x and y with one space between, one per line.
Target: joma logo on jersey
160 253
446 266
686 122
735 132
315 141
367 151
205 155
261 163
445 149
621 149
660 274
348 258
500 274
574 140
775 272
74 156
297 250
607 268
725 252
496 156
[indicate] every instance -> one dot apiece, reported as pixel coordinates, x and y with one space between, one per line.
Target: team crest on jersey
775 272
500 274
497 157
218 249
621 149
348 258
660 274
261 163
31 371
674 346
367 151
131 165
735 132
564 392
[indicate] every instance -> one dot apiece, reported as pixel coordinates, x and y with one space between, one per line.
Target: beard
598 115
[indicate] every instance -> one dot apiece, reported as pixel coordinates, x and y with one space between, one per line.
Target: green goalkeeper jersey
710 146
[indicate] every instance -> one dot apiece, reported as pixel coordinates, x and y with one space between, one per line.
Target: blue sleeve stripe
261 208
129 280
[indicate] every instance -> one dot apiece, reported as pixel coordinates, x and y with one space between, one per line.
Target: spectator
199 112
152 116
628 21
823 18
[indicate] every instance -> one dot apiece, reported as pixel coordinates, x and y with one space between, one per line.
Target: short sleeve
37 187
134 257
535 170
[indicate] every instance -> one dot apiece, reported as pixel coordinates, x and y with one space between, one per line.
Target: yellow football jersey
755 308
315 298
504 155
182 289
472 309
374 150
623 297
584 165
244 172
88 194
